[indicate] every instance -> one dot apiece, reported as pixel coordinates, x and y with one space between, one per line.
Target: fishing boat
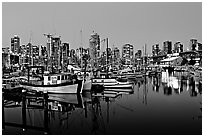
111 83
54 83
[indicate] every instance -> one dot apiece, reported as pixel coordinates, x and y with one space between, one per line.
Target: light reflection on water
165 104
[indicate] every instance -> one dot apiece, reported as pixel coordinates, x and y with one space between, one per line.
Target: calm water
166 104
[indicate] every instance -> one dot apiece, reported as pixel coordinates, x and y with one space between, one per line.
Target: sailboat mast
81 47
107 59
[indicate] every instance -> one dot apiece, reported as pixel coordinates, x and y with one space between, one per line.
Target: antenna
81 37
31 33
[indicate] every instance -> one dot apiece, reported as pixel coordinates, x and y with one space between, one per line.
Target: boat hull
65 89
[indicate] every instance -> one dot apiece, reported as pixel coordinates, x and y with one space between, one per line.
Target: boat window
69 77
66 77
62 77
49 78
58 77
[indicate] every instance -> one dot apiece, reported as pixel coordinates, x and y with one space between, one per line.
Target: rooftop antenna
81 37
31 33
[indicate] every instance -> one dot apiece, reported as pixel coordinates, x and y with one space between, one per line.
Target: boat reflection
45 105
88 113
56 110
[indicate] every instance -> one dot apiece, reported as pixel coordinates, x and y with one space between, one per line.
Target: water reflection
176 84
156 83
153 101
57 112
46 108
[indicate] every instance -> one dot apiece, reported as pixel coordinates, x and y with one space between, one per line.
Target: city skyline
154 23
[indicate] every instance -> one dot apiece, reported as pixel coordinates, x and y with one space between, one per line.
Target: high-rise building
178 47
155 50
138 54
199 46
65 50
127 54
28 55
23 49
42 59
15 44
138 58
167 47
29 49
193 44
72 56
80 52
94 49
43 51
65 54
116 56
5 58
110 58
35 51
55 52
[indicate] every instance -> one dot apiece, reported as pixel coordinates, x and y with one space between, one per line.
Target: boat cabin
51 79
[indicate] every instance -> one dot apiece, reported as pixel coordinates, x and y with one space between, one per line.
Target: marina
174 106
101 68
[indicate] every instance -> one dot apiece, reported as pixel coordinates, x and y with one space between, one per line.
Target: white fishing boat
54 83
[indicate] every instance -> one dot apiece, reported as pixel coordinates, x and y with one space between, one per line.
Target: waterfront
163 104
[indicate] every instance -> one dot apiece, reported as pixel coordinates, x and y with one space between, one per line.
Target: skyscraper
167 47
199 46
55 52
15 44
178 47
155 50
138 58
127 54
94 49
116 56
193 44
65 52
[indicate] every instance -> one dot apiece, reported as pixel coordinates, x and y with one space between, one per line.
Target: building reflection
145 90
156 83
177 84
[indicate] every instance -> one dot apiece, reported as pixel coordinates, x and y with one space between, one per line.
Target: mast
107 59
81 48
